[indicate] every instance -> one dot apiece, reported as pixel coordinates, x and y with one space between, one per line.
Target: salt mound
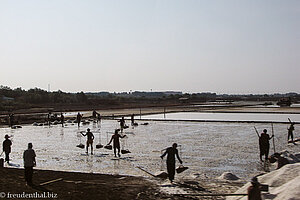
161 174
228 176
291 157
284 184
290 190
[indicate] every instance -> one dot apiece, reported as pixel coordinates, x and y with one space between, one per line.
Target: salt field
208 149
225 116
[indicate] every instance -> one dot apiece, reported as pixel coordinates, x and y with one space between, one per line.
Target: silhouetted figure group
28 158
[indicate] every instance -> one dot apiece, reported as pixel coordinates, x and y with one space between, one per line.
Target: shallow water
206 148
226 116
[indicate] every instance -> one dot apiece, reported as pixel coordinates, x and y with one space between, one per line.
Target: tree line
18 98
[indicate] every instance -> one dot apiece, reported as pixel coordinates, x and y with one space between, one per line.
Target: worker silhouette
78 118
171 151
116 142
253 191
264 145
89 141
290 131
29 163
6 147
62 119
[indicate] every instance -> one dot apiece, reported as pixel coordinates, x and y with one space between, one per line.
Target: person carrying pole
264 144
90 139
116 142
171 151
273 138
290 130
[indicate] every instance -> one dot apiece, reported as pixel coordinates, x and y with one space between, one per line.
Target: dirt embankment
78 185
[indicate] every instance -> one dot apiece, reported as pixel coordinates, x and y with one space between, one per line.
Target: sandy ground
100 186
79 185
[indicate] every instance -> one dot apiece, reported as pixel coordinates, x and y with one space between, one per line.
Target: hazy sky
217 46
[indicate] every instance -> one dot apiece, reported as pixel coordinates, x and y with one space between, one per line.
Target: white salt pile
228 176
284 184
161 174
292 158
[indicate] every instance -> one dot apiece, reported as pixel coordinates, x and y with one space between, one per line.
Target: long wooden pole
273 138
53 181
256 131
145 171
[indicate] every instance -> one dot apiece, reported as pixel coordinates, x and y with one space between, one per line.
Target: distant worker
94 114
29 163
281 161
6 147
253 191
122 124
290 131
49 118
90 139
264 145
62 119
171 151
78 118
11 119
132 119
98 117
116 142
